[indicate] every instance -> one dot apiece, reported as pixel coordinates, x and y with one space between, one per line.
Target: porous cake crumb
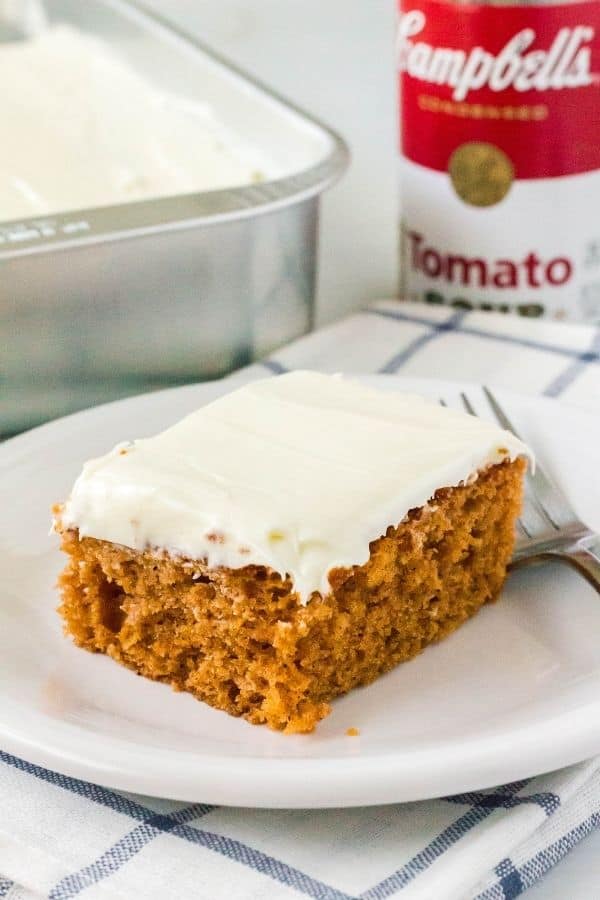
241 640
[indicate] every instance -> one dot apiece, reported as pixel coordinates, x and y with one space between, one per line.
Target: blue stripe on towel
500 799
154 824
435 330
274 366
123 850
424 858
509 879
574 369
587 356
94 792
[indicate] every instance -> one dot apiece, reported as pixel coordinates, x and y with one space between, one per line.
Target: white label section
537 252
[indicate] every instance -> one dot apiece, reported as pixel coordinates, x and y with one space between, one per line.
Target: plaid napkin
61 837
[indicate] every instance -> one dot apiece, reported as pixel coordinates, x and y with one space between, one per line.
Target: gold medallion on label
481 173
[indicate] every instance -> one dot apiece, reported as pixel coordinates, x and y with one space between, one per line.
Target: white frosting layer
298 472
83 129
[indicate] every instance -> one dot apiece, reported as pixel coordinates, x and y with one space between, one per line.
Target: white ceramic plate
513 693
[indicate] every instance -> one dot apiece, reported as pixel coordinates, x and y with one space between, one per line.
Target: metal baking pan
100 303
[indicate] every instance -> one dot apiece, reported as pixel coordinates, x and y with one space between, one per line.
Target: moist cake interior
242 640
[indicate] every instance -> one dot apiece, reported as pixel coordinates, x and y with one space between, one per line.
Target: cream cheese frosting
298 472
84 129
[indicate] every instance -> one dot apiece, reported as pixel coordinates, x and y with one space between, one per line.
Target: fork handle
582 557
587 562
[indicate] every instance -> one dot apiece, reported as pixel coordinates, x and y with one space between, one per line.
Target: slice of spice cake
292 540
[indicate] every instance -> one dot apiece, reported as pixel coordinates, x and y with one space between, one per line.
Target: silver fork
549 526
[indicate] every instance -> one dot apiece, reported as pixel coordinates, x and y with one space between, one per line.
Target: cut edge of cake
241 640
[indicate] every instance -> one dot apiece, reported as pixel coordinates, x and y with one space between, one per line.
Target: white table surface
335 58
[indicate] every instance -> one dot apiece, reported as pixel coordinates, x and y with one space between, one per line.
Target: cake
288 542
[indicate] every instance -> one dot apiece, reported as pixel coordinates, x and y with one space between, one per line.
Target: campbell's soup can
500 156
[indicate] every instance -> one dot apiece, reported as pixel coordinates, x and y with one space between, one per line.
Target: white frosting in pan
81 128
298 473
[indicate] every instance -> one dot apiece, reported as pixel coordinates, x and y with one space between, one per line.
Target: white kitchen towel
528 355
61 837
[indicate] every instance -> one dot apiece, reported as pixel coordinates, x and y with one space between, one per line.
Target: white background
335 57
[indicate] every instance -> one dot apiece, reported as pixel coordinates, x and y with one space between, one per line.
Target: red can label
525 78
498 98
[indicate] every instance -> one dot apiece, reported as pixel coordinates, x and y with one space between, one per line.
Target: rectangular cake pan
100 303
